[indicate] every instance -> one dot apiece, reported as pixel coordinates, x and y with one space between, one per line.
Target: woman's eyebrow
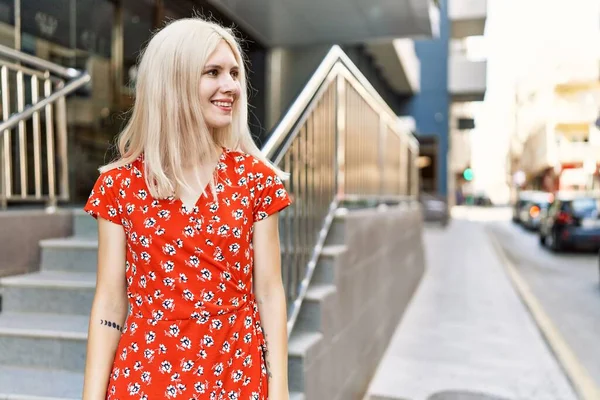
217 66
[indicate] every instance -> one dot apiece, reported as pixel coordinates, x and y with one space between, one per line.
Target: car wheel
554 242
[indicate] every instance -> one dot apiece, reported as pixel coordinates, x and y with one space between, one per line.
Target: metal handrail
340 142
69 88
39 63
18 139
335 56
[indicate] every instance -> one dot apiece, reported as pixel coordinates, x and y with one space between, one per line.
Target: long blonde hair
166 124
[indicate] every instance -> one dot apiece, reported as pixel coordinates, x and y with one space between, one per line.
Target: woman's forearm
103 339
273 316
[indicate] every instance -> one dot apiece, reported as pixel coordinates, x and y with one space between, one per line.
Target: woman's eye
235 74
212 72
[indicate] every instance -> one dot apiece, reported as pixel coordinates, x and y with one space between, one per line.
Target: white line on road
576 372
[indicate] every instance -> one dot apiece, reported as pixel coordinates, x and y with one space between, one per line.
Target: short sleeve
103 201
270 195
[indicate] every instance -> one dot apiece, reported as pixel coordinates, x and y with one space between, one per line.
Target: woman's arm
270 296
110 304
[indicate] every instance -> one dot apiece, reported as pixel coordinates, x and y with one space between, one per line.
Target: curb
580 380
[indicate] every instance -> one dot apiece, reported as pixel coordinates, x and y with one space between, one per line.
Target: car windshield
585 206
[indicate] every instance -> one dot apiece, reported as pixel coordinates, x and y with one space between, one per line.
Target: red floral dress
193 330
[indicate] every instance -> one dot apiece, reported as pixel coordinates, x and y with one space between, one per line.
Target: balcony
467 17
399 64
311 22
467 79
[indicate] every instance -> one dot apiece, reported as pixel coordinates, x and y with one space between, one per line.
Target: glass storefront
104 37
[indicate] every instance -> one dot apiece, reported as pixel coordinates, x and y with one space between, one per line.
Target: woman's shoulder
117 173
251 163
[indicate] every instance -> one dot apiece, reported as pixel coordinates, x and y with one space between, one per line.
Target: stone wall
20 234
375 279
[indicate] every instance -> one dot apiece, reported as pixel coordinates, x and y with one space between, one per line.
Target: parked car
531 213
572 221
524 198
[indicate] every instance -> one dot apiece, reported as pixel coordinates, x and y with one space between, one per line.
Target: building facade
284 43
452 76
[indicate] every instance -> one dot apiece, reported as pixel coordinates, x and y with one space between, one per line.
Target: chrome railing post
37 146
49 111
340 153
6 149
22 137
381 152
63 155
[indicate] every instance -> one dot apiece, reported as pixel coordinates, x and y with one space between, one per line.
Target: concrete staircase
44 319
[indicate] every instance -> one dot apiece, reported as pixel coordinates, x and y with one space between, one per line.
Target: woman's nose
229 85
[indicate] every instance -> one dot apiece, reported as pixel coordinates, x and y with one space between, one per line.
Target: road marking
580 379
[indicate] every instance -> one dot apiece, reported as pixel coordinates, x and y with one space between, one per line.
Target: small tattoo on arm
267 364
110 324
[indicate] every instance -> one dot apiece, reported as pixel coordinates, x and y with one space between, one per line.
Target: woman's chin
219 123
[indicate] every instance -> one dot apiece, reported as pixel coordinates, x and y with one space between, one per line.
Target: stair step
296 396
302 347
317 307
55 292
327 265
84 225
318 292
39 384
69 254
334 250
301 343
43 340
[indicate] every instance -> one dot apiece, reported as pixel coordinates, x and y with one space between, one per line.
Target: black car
532 212
525 200
572 221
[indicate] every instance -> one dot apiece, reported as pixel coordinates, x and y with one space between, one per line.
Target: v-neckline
188 210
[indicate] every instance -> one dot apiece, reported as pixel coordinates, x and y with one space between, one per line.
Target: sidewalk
466 331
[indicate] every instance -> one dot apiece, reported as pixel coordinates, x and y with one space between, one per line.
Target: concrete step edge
16 384
334 250
301 342
13 396
44 326
296 396
73 242
52 280
319 291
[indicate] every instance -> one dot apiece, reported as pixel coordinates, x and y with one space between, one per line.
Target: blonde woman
188 244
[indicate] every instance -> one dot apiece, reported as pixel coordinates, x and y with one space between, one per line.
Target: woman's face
219 87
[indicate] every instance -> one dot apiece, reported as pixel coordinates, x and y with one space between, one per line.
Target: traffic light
468 174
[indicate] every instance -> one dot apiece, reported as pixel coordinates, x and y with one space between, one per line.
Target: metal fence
340 142
33 132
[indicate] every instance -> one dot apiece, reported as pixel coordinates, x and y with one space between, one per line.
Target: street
566 284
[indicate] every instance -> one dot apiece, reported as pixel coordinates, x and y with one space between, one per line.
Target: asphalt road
566 284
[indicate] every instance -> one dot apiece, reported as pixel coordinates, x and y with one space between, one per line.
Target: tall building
453 75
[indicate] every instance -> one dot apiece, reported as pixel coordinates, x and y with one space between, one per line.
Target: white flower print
218 369
187 366
150 336
200 387
208 341
134 388
188 295
185 343
206 274
174 330
165 367
169 249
